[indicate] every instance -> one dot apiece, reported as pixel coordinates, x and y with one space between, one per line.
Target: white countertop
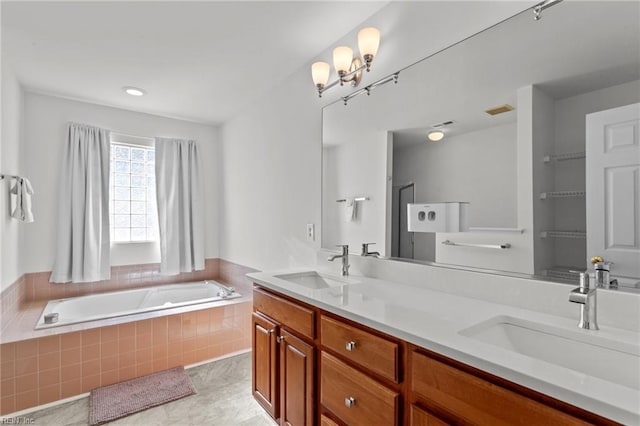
434 319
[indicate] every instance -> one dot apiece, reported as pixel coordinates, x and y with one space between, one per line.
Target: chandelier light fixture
348 67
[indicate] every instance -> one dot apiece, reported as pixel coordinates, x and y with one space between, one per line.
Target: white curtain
83 245
180 206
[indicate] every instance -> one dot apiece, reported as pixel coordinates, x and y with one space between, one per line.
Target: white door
613 188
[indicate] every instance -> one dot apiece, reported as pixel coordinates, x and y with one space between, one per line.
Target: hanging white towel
23 192
350 209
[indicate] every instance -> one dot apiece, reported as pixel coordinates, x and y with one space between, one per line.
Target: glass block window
132 199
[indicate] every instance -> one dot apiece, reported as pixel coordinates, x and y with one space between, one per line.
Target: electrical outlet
311 232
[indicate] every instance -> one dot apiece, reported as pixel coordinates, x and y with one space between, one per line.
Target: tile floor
224 398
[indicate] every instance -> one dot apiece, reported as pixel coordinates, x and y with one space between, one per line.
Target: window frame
117 139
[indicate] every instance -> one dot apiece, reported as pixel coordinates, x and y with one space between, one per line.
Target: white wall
10 153
272 150
477 167
349 173
543 117
46 119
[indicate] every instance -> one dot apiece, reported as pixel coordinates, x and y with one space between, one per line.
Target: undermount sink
587 353
314 280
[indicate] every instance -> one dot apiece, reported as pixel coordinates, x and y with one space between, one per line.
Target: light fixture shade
368 41
320 73
342 57
435 135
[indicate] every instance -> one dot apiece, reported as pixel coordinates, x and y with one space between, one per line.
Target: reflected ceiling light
133 91
349 69
435 135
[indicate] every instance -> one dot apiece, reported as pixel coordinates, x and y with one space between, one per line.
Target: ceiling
200 61
573 49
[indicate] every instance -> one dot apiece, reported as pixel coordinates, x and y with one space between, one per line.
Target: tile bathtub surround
46 369
234 274
126 277
11 299
68 360
35 287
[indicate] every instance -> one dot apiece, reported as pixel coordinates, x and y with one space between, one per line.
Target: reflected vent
499 110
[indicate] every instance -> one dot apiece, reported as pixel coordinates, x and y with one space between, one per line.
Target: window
132 193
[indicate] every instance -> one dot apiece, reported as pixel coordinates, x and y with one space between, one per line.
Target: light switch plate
311 232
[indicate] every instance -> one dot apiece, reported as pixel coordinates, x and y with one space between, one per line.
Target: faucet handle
365 248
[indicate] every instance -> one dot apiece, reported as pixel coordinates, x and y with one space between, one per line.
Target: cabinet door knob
350 345
280 339
349 402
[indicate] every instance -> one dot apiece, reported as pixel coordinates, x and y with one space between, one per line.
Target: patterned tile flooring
223 399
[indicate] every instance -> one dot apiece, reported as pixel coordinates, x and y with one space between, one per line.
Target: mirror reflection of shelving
563 239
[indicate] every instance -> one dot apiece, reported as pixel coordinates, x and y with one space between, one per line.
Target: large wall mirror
541 150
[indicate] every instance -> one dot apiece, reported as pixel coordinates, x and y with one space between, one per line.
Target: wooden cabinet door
264 384
297 396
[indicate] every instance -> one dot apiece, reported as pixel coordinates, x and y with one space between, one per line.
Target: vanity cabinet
463 395
374 353
313 367
264 384
354 397
421 417
297 362
359 374
283 379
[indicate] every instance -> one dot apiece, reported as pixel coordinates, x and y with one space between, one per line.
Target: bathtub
119 303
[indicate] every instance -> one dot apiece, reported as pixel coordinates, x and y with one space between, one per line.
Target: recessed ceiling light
435 135
134 91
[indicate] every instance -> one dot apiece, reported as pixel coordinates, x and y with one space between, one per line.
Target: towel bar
344 200
2 176
491 246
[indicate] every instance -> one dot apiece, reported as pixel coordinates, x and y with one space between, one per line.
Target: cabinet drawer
372 403
291 316
420 417
372 352
477 401
326 421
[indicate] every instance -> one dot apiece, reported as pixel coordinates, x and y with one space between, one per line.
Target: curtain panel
83 241
179 194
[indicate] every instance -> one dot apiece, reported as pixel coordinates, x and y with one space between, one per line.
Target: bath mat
122 399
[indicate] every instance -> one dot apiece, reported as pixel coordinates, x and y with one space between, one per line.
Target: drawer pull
349 402
280 339
350 345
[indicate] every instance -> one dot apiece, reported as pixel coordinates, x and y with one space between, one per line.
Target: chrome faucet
345 259
586 297
366 252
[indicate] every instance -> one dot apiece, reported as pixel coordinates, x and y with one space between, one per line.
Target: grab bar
491 246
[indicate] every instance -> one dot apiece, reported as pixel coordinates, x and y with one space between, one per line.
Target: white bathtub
119 303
